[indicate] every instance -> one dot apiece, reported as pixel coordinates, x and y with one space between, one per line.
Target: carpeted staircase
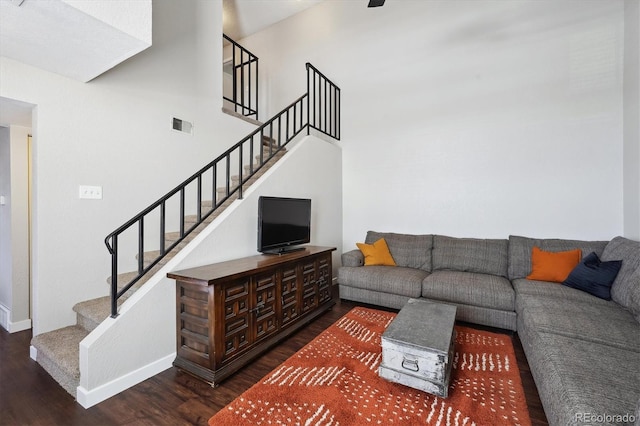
58 350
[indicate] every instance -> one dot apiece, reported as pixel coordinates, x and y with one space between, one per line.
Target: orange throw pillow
553 266
377 253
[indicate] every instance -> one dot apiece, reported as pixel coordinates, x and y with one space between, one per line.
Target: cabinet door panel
264 306
309 287
236 318
324 278
193 324
289 295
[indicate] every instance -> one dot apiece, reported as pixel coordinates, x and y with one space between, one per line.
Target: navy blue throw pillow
593 276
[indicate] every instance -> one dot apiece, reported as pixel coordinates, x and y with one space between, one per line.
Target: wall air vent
182 125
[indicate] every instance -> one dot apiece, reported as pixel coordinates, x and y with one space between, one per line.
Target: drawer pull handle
412 364
257 308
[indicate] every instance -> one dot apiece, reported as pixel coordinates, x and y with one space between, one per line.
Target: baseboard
33 353
5 314
89 398
12 327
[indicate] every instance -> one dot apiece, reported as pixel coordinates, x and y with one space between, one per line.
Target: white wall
631 165
115 132
14 227
145 329
467 118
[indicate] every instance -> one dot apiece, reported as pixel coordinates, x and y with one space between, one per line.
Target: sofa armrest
352 258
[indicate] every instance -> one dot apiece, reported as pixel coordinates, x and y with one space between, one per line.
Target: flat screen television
283 223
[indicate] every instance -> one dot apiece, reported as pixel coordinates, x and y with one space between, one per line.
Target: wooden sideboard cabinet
230 312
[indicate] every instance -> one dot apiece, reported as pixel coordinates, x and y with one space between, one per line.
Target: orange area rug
334 380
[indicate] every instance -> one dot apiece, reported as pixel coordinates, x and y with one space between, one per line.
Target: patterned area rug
333 380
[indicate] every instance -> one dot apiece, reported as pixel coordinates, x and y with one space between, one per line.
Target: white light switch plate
3 200
90 192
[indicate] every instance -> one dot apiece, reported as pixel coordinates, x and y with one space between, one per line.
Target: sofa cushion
388 279
489 291
609 325
520 251
626 287
580 378
470 255
545 289
412 251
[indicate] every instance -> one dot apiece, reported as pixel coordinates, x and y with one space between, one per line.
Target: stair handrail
294 117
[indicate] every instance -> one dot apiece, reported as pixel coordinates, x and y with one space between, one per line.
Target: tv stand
229 313
283 250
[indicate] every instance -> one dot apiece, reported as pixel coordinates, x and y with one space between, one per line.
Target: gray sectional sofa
583 351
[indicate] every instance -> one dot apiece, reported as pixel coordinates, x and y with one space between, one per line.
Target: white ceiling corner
80 40
242 18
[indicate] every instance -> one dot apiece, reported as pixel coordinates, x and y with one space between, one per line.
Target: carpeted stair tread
123 278
59 355
92 312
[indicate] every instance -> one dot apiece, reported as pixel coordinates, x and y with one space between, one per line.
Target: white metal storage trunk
417 347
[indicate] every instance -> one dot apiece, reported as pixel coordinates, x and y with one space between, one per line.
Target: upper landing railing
186 206
244 85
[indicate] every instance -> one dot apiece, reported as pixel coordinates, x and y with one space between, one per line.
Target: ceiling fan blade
375 3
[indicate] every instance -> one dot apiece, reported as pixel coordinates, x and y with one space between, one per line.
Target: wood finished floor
29 396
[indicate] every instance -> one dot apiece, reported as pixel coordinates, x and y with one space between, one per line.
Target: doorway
16 194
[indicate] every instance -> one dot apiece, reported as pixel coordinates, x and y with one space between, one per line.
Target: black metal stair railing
323 103
244 73
317 109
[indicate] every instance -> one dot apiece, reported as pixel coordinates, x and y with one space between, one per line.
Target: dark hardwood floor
29 396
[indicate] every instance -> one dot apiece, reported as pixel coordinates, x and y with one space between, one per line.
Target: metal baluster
114 276
182 212
242 81
325 104
240 174
227 172
214 191
235 79
162 227
141 245
257 90
199 200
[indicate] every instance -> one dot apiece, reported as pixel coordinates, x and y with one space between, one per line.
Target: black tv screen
283 223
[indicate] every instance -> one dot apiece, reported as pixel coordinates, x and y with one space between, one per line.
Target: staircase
58 350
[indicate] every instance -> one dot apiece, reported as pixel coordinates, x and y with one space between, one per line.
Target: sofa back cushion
625 290
470 255
411 251
520 251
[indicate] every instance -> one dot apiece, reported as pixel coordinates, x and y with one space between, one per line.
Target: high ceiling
245 17
241 18
77 39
